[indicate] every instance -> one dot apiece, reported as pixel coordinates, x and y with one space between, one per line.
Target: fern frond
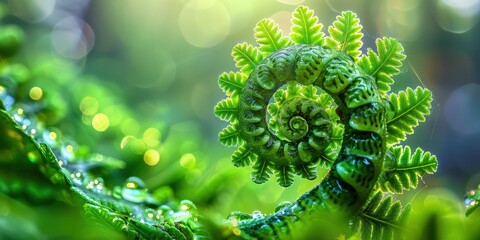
284 175
232 83
105 217
384 65
243 156
246 57
307 170
409 107
381 219
262 170
408 169
269 36
230 136
227 109
310 92
345 34
305 27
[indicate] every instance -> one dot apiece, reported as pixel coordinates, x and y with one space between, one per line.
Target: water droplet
134 190
150 215
51 138
96 185
181 216
68 149
257 214
164 211
78 177
472 198
282 205
187 205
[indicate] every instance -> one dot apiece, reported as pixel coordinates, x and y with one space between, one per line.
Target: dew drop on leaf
78 177
150 215
134 190
96 185
257 214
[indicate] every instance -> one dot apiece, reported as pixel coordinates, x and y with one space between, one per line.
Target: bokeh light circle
100 122
151 157
204 23
457 16
72 38
462 111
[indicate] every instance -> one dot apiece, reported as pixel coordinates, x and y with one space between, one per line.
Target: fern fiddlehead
297 131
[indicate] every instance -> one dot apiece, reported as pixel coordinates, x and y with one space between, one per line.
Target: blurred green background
137 81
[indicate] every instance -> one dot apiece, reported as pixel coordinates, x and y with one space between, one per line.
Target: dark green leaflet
353 175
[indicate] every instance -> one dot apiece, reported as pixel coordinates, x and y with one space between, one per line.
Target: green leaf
345 34
408 169
409 108
381 219
305 27
261 170
307 170
472 200
246 57
310 92
105 217
230 136
384 65
227 109
232 83
269 36
243 156
284 175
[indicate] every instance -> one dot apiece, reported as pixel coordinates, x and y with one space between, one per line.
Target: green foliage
381 219
269 36
407 170
243 156
227 109
230 136
305 27
261 171
385 64
232 83
345 34
472 200
409 108
246 57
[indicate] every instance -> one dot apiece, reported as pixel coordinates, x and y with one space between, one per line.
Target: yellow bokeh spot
100 122
151 157
36 93
53 135
188 161
125 141
151 137
89 105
